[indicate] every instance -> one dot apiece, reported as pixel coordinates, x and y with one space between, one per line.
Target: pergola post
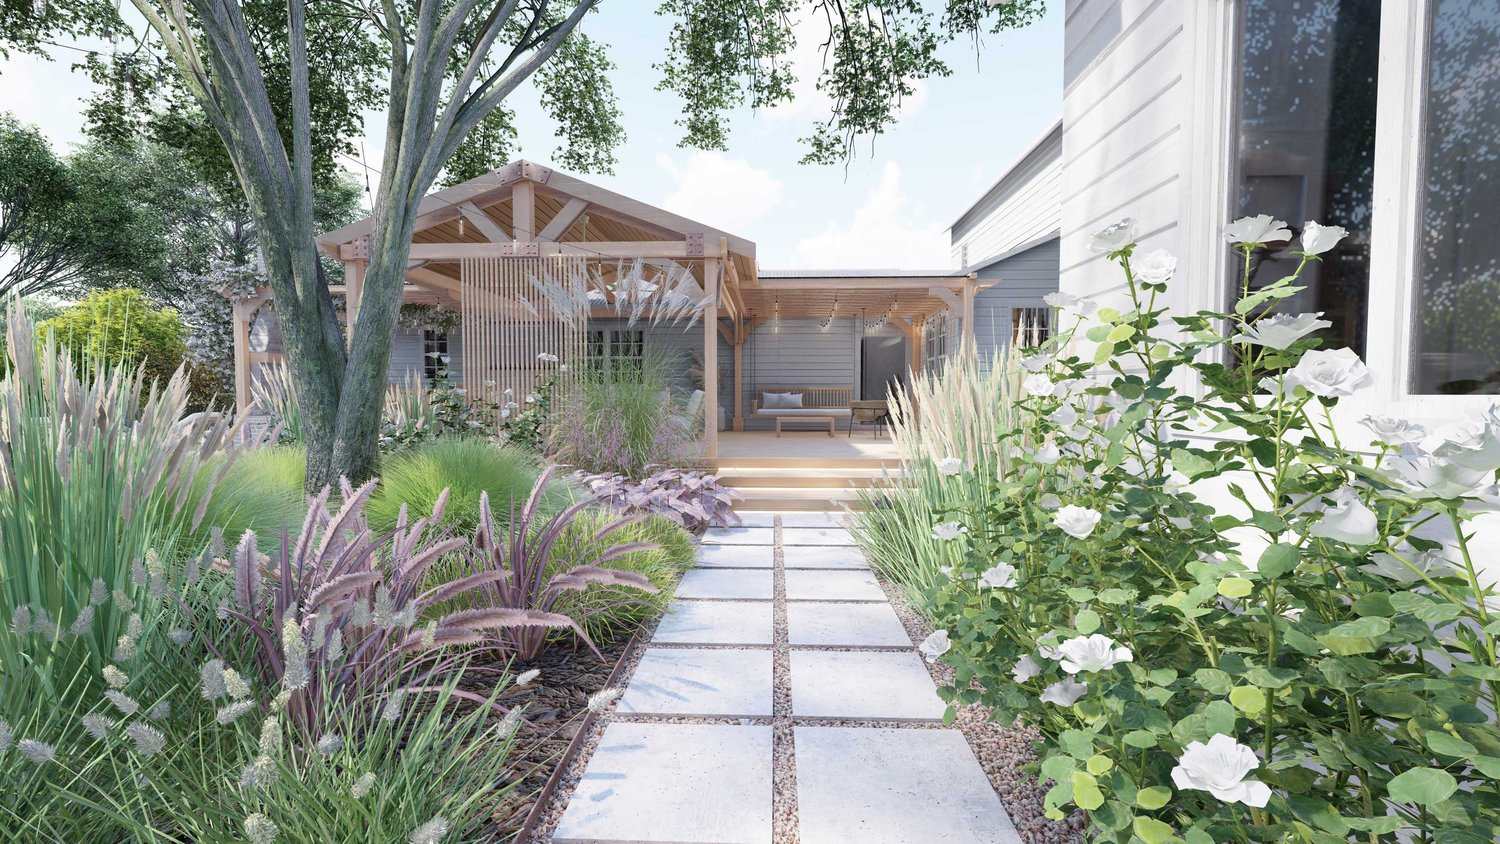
241 330
711 358
739 390
354 293
914 339
967 340
523 211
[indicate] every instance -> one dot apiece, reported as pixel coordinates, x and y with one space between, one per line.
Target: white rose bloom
1035 363
1317 239
999 576
1050 502
1048 453
1092 653
1282 330
950 465
1064 692
1393 431
1115 238
1427 476
1155 266
1025 668
1431 563
1471 443
935 645
1060 300
1261 228
1064 416
547 357
947 531
1219 767
1086 307
1077 522
1346 518
1331 373
1037 385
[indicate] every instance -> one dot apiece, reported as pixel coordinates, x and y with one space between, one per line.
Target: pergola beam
486 224
623 249
564 220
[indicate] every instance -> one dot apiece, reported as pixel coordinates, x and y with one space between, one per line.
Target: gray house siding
407 355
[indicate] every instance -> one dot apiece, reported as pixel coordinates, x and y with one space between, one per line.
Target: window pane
1457 297
1306 146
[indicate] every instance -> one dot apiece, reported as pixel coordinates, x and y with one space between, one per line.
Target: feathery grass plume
526 677
36 751
161 711
123 702
235 711
261 773
335 649
247 577
98 592
98 725
83 622
294 673
509 724
270 737
147 739
282 698
5 736
260 829
180 636
429 634
156 575
126 648
42 625
115 678
382 614
432 832
121 597
319 636
392 709
600 700
237 686
138 573
211 680
330 744
20 620
362 786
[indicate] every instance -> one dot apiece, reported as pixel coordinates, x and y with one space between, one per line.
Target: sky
890 208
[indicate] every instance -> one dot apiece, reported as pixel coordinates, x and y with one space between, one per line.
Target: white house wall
1021 208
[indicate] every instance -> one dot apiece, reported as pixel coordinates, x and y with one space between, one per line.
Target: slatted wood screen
507 324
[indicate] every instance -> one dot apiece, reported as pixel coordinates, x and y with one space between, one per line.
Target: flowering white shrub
1330 674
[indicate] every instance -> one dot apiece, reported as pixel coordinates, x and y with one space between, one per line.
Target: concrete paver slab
716 623
823 557
815 536
731 584
702 682
736 556
807 585
739 536
845 684
845 625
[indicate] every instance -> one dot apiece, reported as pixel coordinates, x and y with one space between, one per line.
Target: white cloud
46 94
886 232
724 192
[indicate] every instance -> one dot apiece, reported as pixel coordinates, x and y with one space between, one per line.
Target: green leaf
1099 764
1271 678
1152 831
1235 587
1424 786
1487 765
1278 560
1086 621
1121 333
1097 333
1448 744
1086 793
1154 797
1213 681
1248 700
1103 352
1144 739
1379 826
1219 717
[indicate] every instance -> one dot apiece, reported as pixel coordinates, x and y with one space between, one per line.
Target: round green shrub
663 565
263 493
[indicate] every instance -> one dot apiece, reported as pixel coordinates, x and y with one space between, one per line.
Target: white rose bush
1316 663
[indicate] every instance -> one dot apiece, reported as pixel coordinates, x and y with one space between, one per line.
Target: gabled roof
568 209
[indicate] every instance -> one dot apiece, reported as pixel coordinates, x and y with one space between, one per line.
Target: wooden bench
822 405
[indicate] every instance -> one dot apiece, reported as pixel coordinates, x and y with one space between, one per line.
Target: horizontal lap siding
407 355
1123 122
1024 279
1021 208
797 353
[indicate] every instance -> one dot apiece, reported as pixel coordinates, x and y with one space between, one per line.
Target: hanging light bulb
461 226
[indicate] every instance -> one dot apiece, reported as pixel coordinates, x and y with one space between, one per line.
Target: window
1304 145
434 353
618 350
1030 327
1456 297
935 342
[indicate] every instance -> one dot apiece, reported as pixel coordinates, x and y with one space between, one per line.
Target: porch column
354 294
241 328
966 339
914 340
711 359
740 335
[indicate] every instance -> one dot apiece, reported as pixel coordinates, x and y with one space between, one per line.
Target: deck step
802 478
810 463
797 498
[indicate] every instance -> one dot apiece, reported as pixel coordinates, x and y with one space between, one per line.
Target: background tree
255 72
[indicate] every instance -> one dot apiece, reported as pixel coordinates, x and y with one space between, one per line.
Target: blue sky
889 209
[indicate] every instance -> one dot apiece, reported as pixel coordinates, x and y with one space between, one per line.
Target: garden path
782 700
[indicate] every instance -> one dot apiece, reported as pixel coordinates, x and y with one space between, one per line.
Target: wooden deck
815 446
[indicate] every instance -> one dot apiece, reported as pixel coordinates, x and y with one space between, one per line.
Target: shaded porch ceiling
872 294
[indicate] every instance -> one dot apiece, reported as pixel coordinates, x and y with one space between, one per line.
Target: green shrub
466 467
263 492
1312 659
121 326
662 565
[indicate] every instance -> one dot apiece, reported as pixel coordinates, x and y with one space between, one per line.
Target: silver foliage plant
696 501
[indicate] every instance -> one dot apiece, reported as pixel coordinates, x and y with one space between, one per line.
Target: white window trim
1396 196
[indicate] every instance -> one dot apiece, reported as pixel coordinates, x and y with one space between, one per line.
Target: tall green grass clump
663 565
262 492
97 488
466 467
959 417
621 417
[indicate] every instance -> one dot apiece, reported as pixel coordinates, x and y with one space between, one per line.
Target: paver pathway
781 700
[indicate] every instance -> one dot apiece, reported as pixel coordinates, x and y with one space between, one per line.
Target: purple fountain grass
517 573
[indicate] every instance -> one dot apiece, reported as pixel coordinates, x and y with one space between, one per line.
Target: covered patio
532 258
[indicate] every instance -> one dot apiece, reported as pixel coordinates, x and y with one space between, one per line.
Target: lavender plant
517 573
694 500
1312 659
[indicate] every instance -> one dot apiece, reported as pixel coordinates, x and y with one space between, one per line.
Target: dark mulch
554 704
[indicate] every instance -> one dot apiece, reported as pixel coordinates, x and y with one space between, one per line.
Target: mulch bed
555 706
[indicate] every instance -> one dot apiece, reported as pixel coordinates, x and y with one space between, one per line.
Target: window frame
1401 124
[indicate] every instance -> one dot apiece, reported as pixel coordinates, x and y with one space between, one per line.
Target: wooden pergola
479 246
